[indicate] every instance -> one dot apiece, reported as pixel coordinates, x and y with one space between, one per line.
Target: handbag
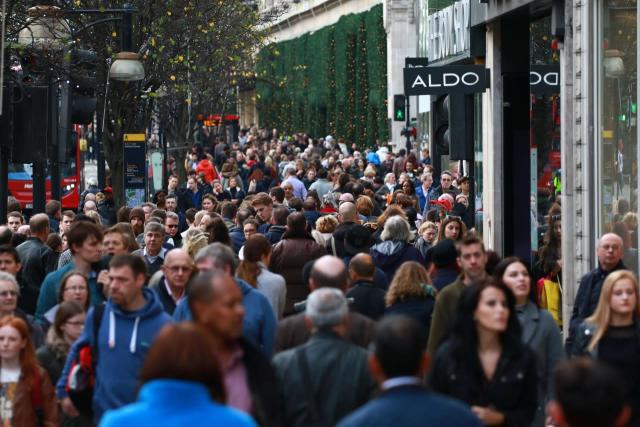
81 380
550 297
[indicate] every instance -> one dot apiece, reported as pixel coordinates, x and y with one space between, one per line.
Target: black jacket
37 260
512 390
166 300
587 298
421 309
339 380
338 237
263 385
274 235
368 299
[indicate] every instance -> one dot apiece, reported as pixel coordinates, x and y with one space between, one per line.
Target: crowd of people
299 282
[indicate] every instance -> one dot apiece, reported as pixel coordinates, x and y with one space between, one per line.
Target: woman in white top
253 269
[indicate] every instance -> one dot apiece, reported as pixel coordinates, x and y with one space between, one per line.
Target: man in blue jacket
259 323
131 319
398 363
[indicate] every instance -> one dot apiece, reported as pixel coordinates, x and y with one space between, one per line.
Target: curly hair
392 210
447 220
326 224
410 280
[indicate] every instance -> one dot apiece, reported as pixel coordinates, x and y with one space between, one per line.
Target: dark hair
5 235
201 288
278 193
464 337
135 262
218 231
159 213
493 259
123 214
590 393
185 351
190 214
469 240
309 204
80 231
295 204
502 266
63 285
54 242
9 249
65 311
228 210
296 227
280 215
254 249
52 207
399 345
126 231
322 173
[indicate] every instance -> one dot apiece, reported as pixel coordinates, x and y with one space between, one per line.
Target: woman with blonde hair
612 333
411 294
194 241
325 226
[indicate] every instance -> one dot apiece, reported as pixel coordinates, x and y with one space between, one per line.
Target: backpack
82 375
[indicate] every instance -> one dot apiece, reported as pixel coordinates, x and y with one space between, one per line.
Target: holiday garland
330 82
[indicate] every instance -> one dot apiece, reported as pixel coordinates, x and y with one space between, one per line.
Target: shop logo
451 79
544 79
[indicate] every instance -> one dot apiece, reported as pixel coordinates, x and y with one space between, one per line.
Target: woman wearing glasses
9 293
74 287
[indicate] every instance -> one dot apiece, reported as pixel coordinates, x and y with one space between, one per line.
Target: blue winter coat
391 254
175 403
259 323
119 361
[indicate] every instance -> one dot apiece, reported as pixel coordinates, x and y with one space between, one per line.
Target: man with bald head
348 217
216 302
177 270
326 272
609 250
368 299
89 205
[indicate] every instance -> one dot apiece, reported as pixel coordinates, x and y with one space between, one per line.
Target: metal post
39 191
55 139
127 28
165 161
408 124
97 143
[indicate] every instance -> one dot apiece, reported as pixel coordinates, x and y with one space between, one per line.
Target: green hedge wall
330 82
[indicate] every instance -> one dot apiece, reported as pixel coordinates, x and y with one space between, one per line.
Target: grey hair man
259 323
339 381
153 252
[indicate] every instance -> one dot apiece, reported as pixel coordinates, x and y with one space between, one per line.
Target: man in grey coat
326 378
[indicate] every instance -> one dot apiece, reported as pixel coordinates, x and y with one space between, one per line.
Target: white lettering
446 79
476 78
431 84
534 78
418 82
551 79
448 31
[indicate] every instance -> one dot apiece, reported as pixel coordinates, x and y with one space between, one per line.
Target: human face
73 327
65 224
113 244
429 235
11 343
225 313
171 204
147 212
557 229
153 242
249 230
452 230
472 261
137 224
207 205
177 269
445 181
407 187
609 251
8 298
173 183
288 191
464 187
9 265
204 222
624 297
124 287
171 226
492 312
90 251
192 184
516 277
14 223
217 187
233 183
76 289
311 175
264 212
427 181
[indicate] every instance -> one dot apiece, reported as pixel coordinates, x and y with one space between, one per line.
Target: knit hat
444 253
136 212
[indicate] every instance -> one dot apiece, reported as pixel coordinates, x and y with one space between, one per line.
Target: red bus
21 182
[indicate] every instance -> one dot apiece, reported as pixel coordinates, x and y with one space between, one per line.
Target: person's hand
488 416
68 407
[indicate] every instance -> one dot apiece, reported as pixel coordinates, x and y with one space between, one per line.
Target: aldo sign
450 79
544 79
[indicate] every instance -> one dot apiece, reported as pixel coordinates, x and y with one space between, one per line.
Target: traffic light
453 126
399 112
82 86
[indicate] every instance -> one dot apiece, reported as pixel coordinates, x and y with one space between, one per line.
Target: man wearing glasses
171 227
446 179
177 270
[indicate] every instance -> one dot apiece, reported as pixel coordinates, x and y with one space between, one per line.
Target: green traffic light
634 107
400 115
622 117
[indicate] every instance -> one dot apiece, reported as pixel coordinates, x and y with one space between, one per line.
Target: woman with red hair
27 396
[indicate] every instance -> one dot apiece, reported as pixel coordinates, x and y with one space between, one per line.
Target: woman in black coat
484 363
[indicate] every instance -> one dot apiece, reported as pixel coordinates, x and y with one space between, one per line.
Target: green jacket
444 314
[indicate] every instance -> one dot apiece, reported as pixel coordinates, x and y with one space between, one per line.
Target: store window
617 135
544 144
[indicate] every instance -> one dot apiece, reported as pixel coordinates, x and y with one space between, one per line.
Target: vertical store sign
135 169
448 31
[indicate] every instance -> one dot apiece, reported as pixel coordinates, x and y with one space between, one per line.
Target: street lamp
46 28
127 67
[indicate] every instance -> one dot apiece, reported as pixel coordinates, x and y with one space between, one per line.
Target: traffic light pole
408 124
